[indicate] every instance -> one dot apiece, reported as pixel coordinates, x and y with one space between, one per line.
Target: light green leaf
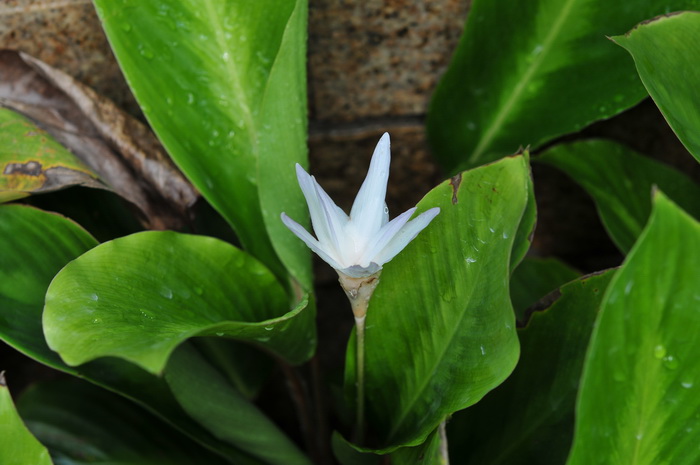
78 421
211 400
32 162
666 53
141 296
223 85
440 327
534 278
638 402
36 245
17 445
527 72
620 182
529 418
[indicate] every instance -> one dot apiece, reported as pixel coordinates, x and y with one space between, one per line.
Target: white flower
359 245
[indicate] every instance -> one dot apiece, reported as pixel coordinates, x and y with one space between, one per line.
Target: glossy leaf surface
140 296
78 421
31 161
17 445
527 72
222 84
666 53
36 246
440 326
529 418
620 182
639 402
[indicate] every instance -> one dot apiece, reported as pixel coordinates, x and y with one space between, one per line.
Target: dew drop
126 27
262 339
269 328
94 297
687 384
505 235
659 352
671 362
97 320
470 260
483 351
219 334
166 292
198 290
146 53
190 98
225 56
628 287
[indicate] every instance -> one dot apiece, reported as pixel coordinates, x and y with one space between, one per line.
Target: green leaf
526 229
17 445
638 402
223 85
440 326
79 421
211 400
529 418
141 296
534 278
36 245
620 182
32 162
666 53
527 72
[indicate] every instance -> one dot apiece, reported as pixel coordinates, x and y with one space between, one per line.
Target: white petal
405 235
318 218
336 219
310 241
385 235
368 209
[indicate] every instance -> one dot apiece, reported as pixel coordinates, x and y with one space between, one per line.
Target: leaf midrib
515 96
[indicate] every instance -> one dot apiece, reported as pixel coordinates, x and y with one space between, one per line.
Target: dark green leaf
620 182
141 296
526 72
211 400
82 422
17 445
440 327
534 278
528 419
639 402
666 53
223 86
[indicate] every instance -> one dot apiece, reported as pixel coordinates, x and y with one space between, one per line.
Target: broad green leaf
32 162
211 400
78 421
534 278
36 245
529 418
17 445
638 402
666 53
440 326
141 296
222 83
620 182
527 72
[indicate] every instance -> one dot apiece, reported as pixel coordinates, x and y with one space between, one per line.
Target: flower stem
360 376
359 291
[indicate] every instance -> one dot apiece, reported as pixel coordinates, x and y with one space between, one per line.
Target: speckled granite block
66 34
376 58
